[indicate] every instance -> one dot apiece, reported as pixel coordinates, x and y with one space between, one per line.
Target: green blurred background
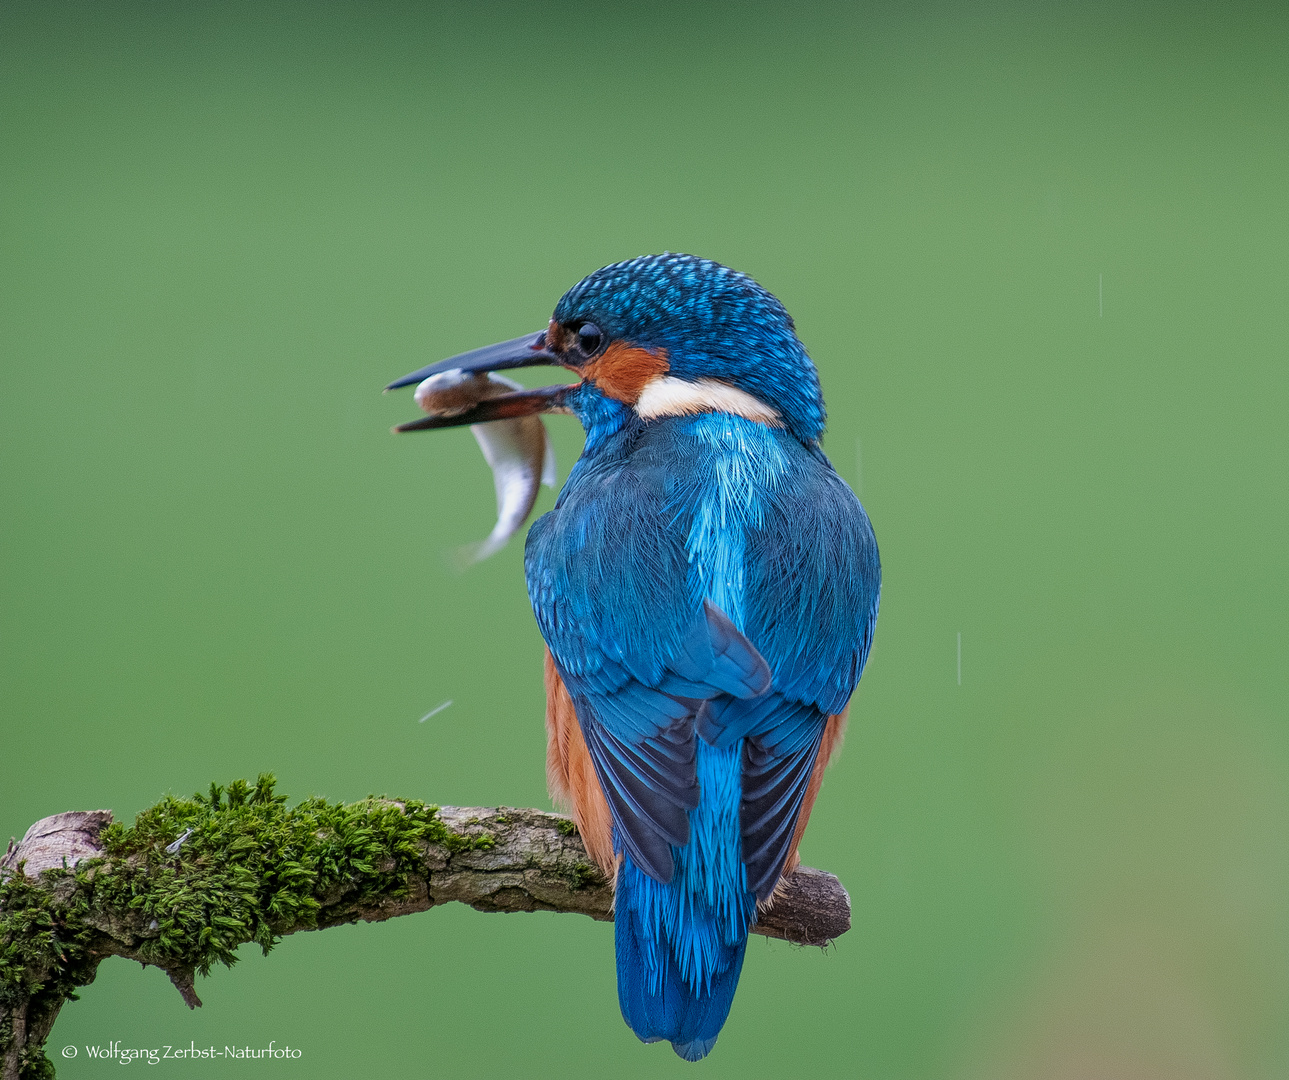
1040 254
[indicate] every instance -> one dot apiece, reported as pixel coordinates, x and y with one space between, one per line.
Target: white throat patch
669 396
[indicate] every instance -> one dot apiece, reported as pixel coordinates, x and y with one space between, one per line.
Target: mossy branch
195 878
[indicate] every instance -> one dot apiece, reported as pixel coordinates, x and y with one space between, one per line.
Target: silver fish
519 451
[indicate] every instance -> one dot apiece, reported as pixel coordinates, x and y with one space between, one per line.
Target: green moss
43 959
249 869
567 827
585 875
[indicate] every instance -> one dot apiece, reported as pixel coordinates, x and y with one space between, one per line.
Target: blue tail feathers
658 1000
680 945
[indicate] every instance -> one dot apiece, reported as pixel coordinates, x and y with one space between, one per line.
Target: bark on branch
194 879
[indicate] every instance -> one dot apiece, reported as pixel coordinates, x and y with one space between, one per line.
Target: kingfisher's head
665 335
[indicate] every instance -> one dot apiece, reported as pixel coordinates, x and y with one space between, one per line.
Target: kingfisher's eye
589 338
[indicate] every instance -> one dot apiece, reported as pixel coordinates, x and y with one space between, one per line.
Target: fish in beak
505 420
527 351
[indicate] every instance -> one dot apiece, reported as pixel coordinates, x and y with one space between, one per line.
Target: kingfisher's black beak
527 351
506 407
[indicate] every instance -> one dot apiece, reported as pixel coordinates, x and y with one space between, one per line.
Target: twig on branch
80 888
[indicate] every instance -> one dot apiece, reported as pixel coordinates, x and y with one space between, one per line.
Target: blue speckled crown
712 321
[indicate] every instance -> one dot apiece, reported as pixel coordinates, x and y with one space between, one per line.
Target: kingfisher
707 586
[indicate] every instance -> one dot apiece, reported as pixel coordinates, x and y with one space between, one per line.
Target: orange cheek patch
622 370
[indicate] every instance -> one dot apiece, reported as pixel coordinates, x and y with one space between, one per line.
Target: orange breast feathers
570 775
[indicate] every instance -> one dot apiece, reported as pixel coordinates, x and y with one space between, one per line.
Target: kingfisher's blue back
703 764
707 587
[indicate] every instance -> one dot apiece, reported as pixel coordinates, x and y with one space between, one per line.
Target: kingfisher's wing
813 580
608 577
608 588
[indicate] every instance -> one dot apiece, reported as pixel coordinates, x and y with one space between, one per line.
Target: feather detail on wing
640 738
834 731
813 579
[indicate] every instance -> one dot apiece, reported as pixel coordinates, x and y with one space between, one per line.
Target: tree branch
194 879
